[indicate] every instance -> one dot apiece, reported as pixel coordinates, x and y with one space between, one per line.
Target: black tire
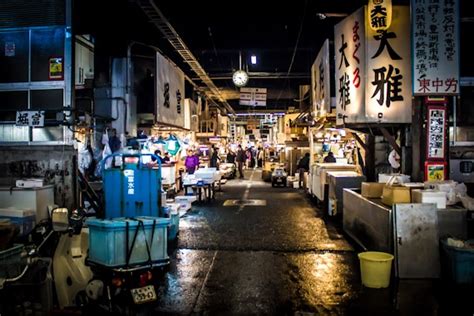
273 185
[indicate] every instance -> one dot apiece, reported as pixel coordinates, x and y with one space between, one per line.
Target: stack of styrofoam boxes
24 219
208 174
185 201
429 196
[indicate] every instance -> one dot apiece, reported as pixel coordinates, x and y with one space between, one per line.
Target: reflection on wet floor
282 258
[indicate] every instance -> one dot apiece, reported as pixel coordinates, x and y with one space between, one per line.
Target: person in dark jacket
230 157
214 157
330 157
241 157
303 166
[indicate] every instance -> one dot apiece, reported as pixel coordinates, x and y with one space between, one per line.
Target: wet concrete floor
281 258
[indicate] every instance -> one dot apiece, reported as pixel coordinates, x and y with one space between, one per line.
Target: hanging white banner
170 92
320 82
349 47
388 85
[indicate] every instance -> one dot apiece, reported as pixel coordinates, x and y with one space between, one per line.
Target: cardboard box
395 195
372 190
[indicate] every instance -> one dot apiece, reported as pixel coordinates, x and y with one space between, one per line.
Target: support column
370 158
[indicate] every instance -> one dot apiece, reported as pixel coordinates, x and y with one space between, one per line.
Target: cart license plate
143 294
278 180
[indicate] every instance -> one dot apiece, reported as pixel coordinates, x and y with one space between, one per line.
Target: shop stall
409 230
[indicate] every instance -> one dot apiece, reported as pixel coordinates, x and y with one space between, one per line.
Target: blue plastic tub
108 246
174 227
457 264
131 191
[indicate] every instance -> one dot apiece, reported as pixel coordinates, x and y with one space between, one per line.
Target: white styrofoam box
183 208
296 185
24 219
36 199
208 174
401 178
429 196
448 186
163 198
185 198
168 175
30 183
174 207
319 178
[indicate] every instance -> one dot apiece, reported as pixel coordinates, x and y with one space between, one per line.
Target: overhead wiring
295 49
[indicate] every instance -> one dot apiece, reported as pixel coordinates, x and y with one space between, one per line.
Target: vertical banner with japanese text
389 83
320 82
349 47
169 92
435 47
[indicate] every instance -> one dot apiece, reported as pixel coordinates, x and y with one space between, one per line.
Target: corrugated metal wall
27 13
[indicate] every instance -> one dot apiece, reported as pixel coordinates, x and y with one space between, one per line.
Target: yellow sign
379 14
435 172
56 68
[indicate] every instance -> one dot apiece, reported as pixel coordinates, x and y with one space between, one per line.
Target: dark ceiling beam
261 75
234 51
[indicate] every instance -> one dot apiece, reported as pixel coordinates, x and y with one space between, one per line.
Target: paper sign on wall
435 47
30 118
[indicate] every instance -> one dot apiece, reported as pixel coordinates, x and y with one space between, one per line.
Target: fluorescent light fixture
253 59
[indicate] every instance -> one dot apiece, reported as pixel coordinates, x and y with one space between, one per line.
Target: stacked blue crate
131 231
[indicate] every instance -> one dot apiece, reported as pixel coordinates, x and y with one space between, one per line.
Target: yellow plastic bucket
375 268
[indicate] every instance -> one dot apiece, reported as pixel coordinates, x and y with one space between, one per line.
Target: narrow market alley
279 257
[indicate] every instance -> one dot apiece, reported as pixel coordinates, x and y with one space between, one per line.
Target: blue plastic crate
457 264
107 240
174 226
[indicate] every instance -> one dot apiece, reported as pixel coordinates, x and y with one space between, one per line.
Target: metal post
455 120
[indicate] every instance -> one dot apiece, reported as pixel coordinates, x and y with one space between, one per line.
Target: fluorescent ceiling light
253 59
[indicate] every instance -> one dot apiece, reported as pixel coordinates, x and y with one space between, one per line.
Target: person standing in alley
191 162
303 166
214 157
114 141
241 157
260 157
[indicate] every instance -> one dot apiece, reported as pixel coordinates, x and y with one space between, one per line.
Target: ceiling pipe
168 31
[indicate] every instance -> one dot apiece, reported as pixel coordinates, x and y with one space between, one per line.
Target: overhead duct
160 21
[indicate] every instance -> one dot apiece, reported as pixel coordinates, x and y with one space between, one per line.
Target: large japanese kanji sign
349 47
388 86
320 83
169 92
372 70
435 47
